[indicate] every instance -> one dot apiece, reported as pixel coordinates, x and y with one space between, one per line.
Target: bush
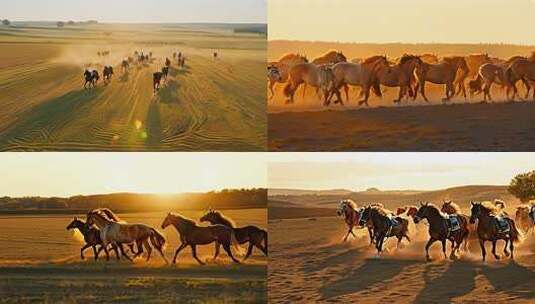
522 186
6 22
60 24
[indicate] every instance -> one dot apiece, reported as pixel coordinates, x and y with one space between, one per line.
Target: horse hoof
497 257
507 254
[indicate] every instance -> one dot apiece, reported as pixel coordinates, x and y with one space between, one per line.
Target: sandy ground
455 127
310 263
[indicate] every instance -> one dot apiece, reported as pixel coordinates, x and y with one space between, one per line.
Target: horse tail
516 234
234 242
157 239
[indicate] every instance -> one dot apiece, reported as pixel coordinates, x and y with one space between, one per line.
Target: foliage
523 186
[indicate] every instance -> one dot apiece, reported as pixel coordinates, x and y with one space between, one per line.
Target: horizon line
399 42
143 22
384 190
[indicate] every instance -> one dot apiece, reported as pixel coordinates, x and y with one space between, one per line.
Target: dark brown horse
107 73
156 81
192 235
91 237
439 228
493 227
385 225
451 208
91 77
255 236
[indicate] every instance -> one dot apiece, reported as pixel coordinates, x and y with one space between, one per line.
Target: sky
67 174
140 11
414 21
394 171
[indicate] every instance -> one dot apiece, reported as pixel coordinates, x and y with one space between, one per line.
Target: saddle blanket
453 223
502 224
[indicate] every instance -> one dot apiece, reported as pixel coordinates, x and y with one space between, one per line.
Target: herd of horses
331 72
92 76
103 230
487 221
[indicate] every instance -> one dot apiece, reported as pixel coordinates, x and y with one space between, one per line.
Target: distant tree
60 24
71 22
522 186
6 22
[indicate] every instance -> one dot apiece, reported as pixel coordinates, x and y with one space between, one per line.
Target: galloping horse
524 218
107 73
193 235
118 233
522 69
255 236
156 81
165 72
490 229
167 62
385 225
349 210
488 74
400 75
363 75
274 76
439 229
451 208
157 239
283 65
444 72
125 65
407 210
91 78
91 237
320 77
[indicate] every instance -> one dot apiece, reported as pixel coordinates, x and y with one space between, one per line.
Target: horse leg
106 251
139 249
422 91
399 241
366 90
82 251
226 246
271 89
483 251
217 247
444 247
123 253
505 251
182 246
494 249
370 232
511 247
429 243
148 247
96 252
249 250
194 253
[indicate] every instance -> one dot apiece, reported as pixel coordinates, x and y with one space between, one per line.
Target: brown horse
331 57
385 225
282 66
407 210
255 236
444 72
462 72
274 75
91 237
399 75
193 235
451 208
490 229
474 61
524 69
523 218
429 58
439 228
363 75
349 210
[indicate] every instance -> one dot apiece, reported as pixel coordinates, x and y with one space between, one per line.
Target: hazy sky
234 11
509 21
66 174
394 171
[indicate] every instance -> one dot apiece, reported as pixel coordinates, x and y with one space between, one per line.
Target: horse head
475 211
422 212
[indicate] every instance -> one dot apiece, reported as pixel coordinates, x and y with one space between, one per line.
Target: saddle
453 223
502 224
393 223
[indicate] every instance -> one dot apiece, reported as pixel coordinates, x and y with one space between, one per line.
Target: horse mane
407 57
514 58
184 219
373 59
380 210
350 202
455 207
329 53
289 56
498 202
109 214
223 218
490 206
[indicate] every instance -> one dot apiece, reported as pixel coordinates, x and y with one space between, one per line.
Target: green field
210 105
40 263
